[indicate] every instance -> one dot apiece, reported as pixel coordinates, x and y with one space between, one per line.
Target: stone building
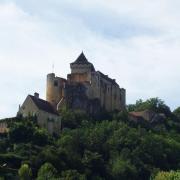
148 116
3 126
47 116
85 89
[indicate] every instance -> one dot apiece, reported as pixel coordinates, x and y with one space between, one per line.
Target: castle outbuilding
85 89
47 116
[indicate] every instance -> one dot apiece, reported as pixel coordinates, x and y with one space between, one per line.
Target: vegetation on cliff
110 147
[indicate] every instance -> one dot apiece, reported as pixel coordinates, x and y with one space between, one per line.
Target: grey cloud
95 17
143 55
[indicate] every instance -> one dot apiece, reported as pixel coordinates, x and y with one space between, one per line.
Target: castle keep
85 89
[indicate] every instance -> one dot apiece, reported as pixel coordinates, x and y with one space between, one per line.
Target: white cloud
142 51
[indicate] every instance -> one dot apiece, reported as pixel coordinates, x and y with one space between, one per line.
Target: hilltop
110 147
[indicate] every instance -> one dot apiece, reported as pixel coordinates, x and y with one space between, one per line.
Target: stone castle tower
85 89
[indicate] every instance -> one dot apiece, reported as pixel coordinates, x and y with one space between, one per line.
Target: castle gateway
85 89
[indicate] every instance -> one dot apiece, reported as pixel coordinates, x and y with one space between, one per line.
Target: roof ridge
43 105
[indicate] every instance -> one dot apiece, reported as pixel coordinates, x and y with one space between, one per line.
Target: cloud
136 42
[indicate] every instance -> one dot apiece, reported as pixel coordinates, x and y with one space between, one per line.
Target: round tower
54 89
50 88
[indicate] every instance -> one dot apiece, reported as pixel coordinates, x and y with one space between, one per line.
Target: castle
85 89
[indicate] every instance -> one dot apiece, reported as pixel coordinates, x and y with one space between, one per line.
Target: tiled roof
43 105
147 115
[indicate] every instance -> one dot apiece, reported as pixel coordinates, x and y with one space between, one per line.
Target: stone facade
85 89
47 117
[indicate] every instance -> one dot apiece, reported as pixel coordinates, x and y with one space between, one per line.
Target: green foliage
40 137
154 104
122 169
46 172
3 145
176 112
172 175
21 131
26 131
93 162
48 154
72 175
87 148
72 119
25 172
121 116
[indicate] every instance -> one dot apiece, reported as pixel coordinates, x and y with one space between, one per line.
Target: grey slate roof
81 59
113 81
43 105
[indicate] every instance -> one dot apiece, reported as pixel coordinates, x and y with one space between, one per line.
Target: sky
135 42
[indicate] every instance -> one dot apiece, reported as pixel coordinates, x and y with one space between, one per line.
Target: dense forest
110 147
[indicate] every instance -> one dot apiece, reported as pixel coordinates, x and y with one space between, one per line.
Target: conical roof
81 59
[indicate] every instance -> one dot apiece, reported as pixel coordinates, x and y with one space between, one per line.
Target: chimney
36 95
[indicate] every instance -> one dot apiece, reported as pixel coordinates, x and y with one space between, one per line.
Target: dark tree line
109 148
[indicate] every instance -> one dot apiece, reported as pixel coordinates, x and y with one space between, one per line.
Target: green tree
40 137
25 172
122 169
73 119
93 163
154 104
176 112
72 175
21 131
172 175
46 172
